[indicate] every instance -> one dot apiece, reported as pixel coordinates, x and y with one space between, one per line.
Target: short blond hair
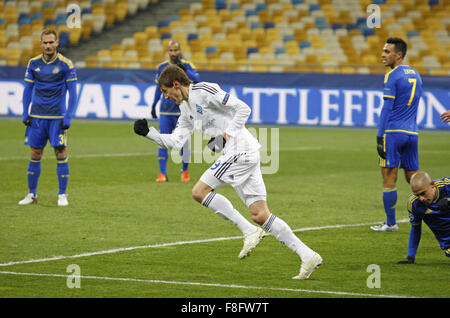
48 32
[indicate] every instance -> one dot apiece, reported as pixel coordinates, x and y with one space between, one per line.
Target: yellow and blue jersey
438 221
167 106
49 79
403 88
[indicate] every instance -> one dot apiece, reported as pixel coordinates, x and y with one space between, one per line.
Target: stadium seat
331 31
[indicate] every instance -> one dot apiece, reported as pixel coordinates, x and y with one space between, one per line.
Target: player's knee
36 153
197 194
259 212
200 191
60 152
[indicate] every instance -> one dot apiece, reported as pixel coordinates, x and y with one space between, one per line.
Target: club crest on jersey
199 109
55 70
225 99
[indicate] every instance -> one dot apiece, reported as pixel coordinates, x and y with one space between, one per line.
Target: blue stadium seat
252 50
61 19
433 2
280 50
192 36
304 44
260 6
361 22
50 22
367 31
336 26
162 24
314 7
220 4
234 6
24 20
412 33
36 15
255 24
250 13
210 49
269 25
321 23
288 37
166 36
48 4
63 39
174 17
23 15
294 2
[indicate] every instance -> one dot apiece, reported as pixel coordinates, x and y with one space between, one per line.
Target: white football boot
307 268
385 228
250 242
62 200
29 199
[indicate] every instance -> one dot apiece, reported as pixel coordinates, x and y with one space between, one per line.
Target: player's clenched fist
141 127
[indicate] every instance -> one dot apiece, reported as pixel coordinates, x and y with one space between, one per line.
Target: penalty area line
123 249
156 281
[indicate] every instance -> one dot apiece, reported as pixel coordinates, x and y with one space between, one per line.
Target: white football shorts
240 170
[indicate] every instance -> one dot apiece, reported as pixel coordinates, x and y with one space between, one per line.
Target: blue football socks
162 159
389 201
33 172
62 170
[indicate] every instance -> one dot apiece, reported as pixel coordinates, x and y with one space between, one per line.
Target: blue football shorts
401 151
43 129
167 123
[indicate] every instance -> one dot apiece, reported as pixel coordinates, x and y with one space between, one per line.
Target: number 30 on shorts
62 139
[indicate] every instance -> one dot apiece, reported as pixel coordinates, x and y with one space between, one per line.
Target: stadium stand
327 36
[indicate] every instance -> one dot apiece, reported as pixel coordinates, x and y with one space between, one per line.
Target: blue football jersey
404 85
49 90
167 106
438 221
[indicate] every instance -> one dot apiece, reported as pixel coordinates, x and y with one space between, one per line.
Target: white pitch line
117 250
136 154
103 155
298 290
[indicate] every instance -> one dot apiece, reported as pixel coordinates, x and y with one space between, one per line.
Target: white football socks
223 207
284 234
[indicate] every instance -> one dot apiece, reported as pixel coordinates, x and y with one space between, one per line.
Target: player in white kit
206 107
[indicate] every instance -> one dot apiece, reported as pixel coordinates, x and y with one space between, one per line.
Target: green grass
326 177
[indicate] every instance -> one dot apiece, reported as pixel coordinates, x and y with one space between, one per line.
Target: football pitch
125 236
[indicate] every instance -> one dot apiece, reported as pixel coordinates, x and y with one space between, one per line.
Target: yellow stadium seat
74 35
152 32
91 61
440 72
102 53
369 60
122 10
110 11
347 70
259 68
117 55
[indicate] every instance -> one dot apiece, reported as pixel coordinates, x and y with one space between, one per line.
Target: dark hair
399 44
173 73
49 31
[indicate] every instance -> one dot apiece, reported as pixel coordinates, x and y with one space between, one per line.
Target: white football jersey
212 111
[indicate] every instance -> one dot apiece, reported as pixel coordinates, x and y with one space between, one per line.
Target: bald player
430 203
169 111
